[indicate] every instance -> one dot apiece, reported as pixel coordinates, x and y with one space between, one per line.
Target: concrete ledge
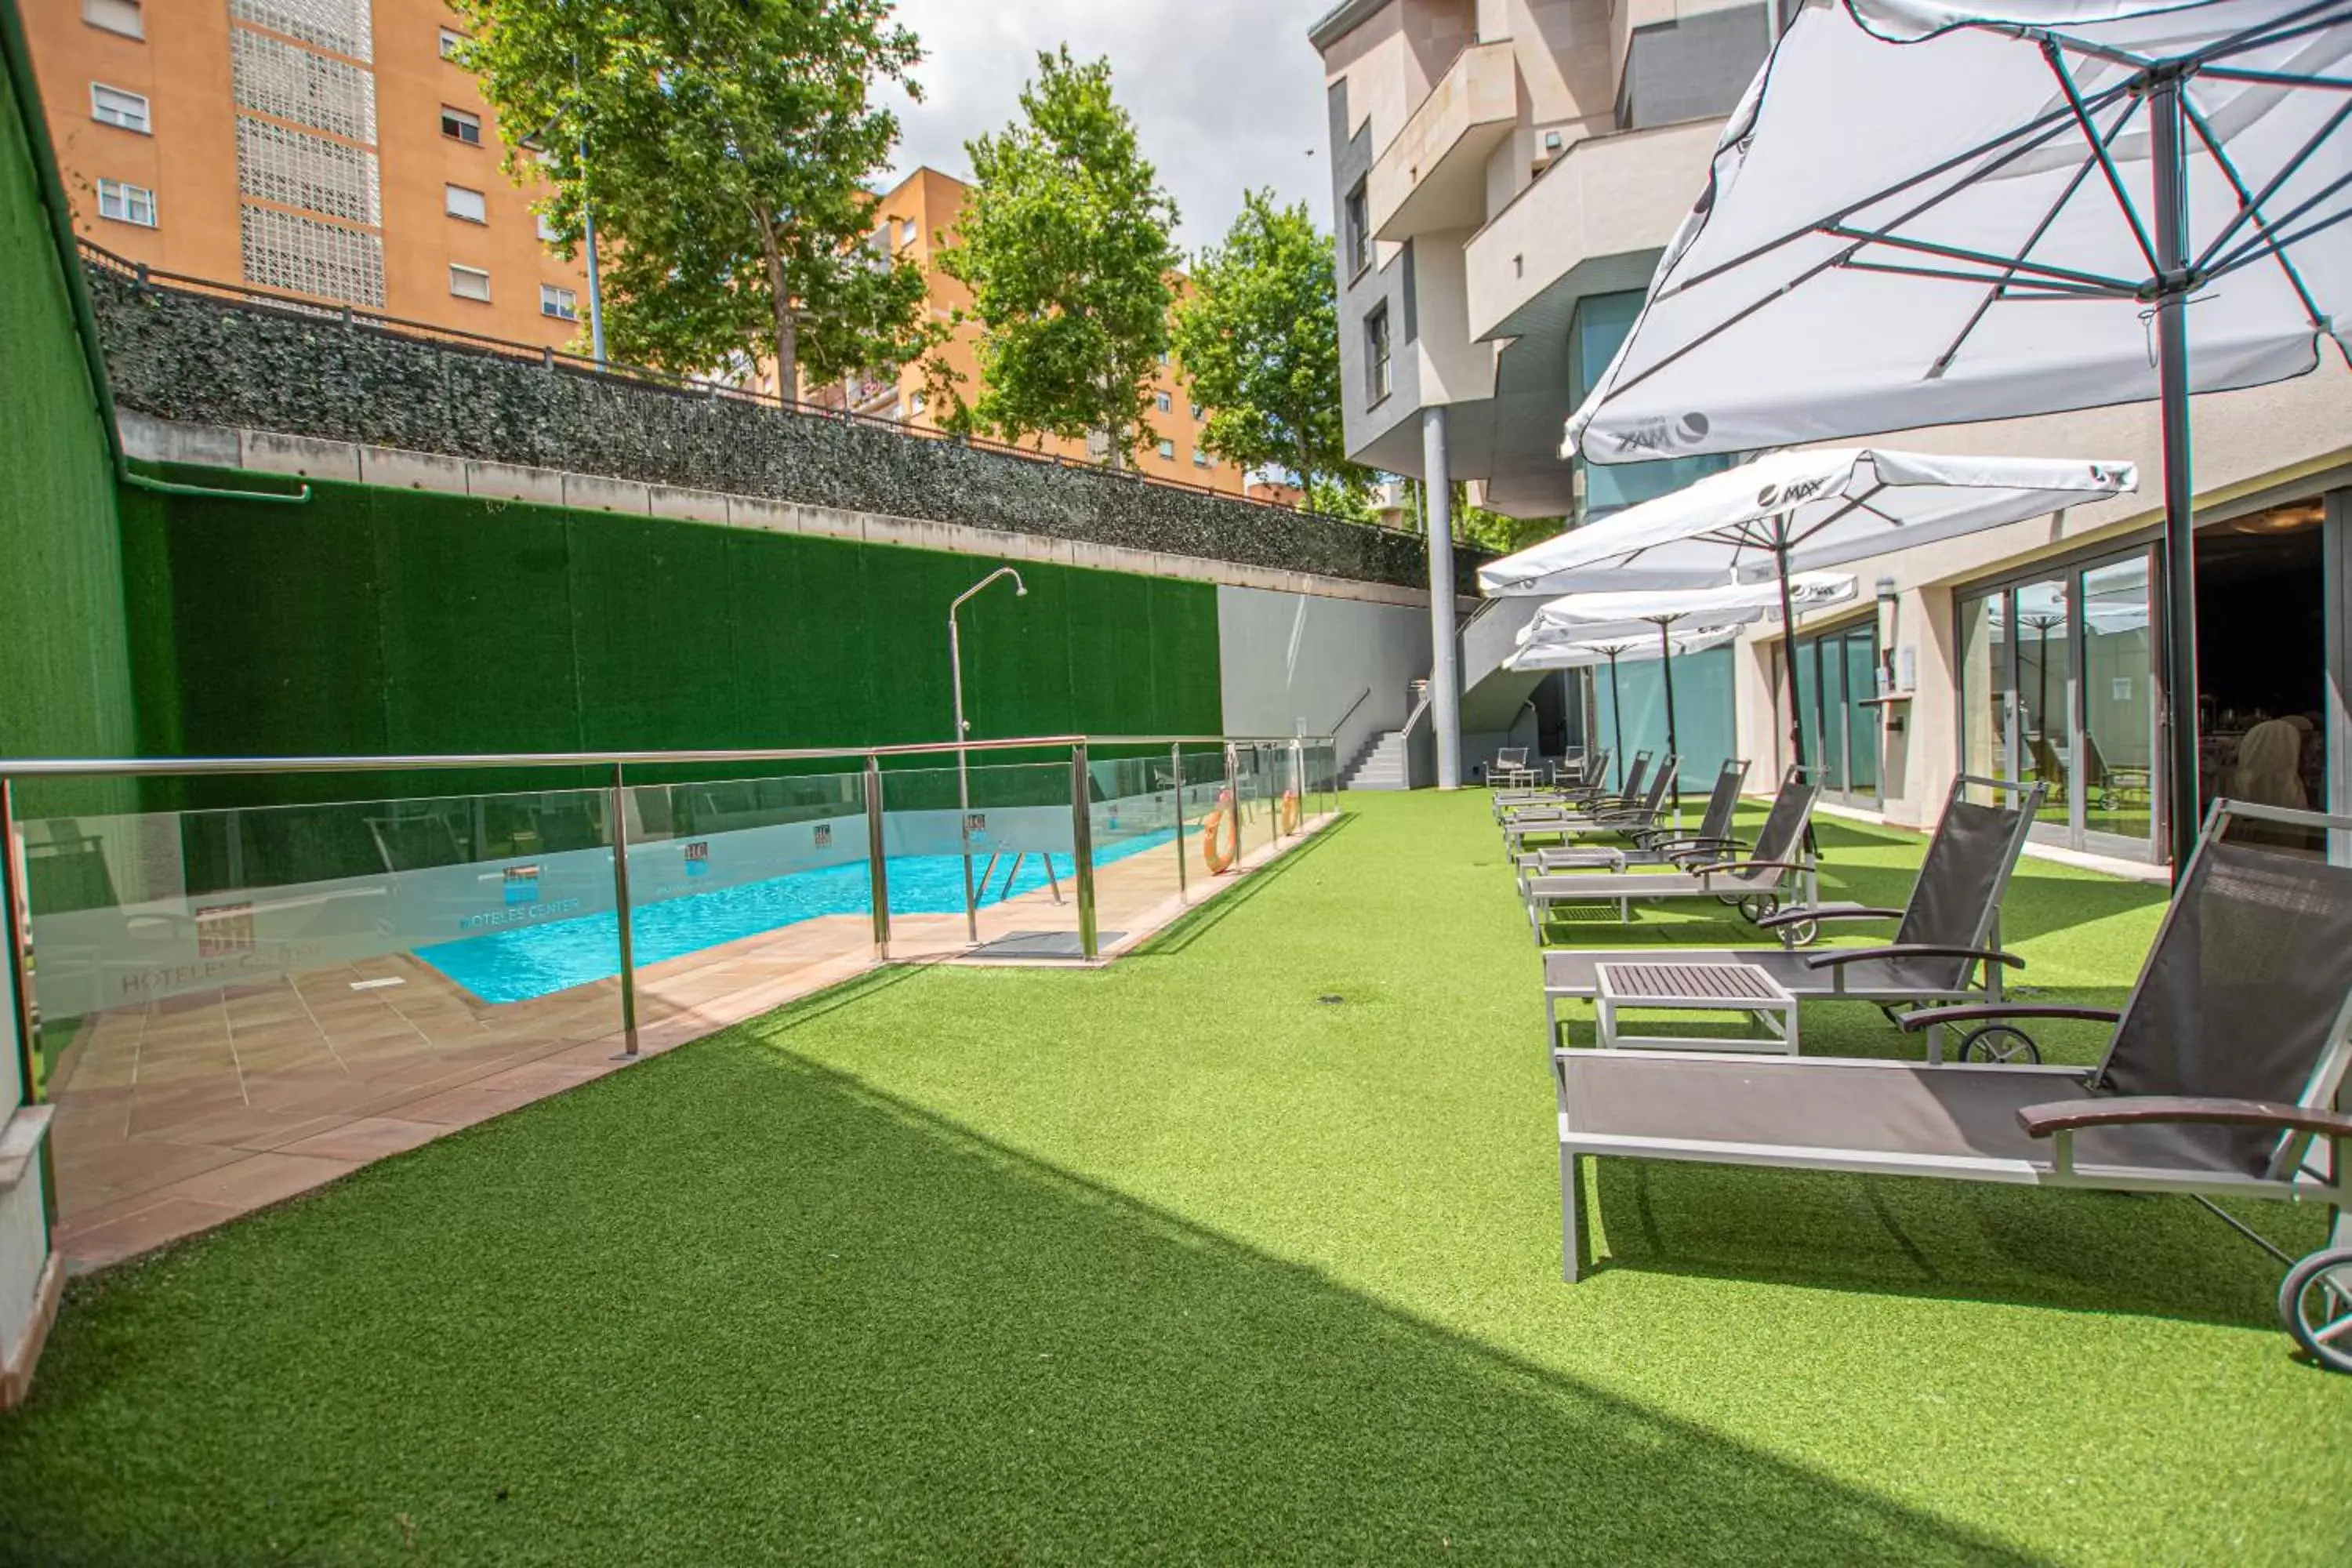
163 440
17 1371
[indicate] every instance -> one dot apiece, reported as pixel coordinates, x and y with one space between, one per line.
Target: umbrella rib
2275 79
1943 361
2099 150
2048 127
2250 204
2028 136
2268 240
2317 17
2094 280
2029 287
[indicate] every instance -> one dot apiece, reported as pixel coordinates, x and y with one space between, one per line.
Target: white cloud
1227 95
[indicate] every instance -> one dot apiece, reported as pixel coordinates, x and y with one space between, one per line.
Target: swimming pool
534 961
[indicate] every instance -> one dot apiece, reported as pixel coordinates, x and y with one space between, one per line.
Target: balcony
1433 175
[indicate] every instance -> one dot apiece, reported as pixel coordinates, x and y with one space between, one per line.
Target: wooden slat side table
1740 988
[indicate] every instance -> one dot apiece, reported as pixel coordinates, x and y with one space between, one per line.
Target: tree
1065 246
724 145
1258 337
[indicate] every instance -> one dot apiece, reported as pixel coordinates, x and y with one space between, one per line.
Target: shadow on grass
2152 1256
768 1314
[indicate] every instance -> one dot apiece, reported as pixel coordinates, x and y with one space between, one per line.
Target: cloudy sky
1226 94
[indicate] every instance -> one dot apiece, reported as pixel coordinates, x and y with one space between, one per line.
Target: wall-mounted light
1887 594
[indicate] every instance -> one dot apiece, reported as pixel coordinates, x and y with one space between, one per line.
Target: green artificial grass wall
1243 1250
374 621
65 660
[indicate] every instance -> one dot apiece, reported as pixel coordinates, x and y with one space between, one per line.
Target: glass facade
2058 687
1703 711
1838 676
1594 335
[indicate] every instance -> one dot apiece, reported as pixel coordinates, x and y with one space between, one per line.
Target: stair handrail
1342 723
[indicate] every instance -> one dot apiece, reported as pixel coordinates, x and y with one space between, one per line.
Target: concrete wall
1289 661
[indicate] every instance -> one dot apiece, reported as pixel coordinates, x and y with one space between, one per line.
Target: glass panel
214 983
1984 686
1021 854
1597 329
2118 700
1210 820
1825 662
1861 719
2045 742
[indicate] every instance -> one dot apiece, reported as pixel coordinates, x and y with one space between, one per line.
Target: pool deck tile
180 1114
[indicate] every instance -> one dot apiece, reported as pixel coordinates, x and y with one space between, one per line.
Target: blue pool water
532 960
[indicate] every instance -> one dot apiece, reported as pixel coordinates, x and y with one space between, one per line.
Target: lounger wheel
1799 933
1730 900
1998 1043
1755 906
2315 1300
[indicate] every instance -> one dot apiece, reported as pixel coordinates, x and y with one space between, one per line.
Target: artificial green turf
1245 1249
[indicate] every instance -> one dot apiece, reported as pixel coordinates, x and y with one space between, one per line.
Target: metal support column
15 905
1299 779
1444 668
877 864
1081 847
617 810
2168 169
1176 762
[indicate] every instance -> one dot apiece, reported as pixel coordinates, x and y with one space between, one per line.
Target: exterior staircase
1384 763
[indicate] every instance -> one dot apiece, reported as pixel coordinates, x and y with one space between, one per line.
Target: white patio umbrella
1927 212
1719 609
1773 519
1564 650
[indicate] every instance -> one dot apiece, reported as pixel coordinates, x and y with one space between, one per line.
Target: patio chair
2218 1082
1593 787
1947 942
1510 769
1566 805
1612 817
1653 845
1757 883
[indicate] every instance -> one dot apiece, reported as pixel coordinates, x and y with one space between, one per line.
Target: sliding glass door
2057 687
1839 672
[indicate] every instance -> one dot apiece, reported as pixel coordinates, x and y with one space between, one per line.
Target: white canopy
1593 617
1830 507
1928 213
1566 653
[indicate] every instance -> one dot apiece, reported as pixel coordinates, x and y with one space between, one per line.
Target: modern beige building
1508 172
323 148
916 219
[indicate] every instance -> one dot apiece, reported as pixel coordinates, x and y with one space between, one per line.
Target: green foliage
1345 492
1258 337
1493 531
721 148
1065 246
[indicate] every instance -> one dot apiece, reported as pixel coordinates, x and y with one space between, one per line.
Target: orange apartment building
326 148
916 218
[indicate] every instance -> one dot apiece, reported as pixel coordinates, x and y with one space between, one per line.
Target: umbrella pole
2169 170
1616 722
1788 652
1674 740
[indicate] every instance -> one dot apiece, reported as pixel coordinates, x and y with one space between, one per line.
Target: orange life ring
1289 811
1225 818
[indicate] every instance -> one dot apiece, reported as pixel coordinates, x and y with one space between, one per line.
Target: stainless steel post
877 865
1081 849
618 811
15 906
963 784
2183 800
1234 793
1176 761
1299 779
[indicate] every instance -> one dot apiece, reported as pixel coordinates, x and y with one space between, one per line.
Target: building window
452 41
1200 457
1165 404
112 106
124 16
126 203
1168 450
468 282
1376 353
1196 411
561 303
460 126
547 229
1358 225
460 203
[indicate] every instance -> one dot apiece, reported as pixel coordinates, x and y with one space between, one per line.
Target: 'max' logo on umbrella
1773 496
1665 436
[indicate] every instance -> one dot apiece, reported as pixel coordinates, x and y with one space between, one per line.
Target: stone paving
174 1116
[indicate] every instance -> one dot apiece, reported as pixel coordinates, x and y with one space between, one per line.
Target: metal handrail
310 309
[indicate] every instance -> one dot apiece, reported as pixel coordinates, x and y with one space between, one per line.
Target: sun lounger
1585 797
1613 817
2220 1081
1656 845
